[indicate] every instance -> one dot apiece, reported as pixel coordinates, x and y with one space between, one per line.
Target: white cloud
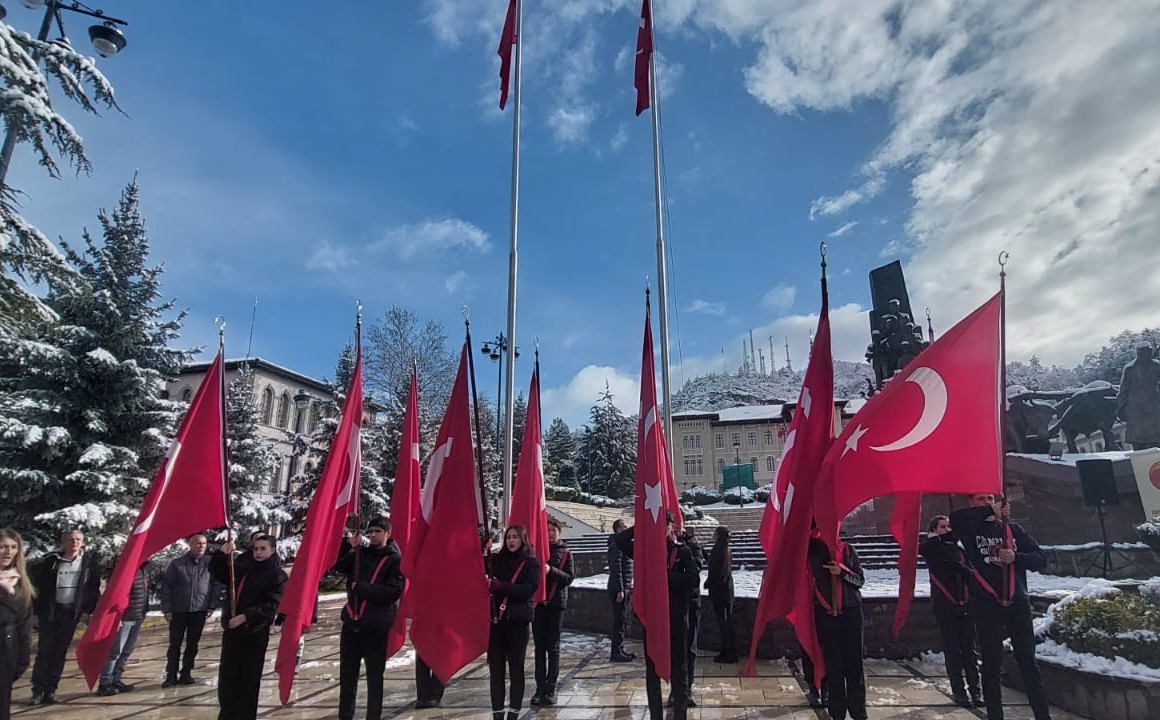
573 400
705 307
328 258
844 229
570 125
431 237
840 203
619 139
456 281
780 297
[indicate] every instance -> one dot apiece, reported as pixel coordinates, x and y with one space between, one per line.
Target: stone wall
1092 695
588 611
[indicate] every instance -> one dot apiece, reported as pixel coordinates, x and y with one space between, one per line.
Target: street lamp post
495 349
106 38
301 402
737 470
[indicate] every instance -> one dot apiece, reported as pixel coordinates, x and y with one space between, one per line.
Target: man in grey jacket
619 592
188 593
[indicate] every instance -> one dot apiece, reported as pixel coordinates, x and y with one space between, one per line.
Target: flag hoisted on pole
405 502
656 495
335 499
512 36
646 93
187 496
789 512
529 503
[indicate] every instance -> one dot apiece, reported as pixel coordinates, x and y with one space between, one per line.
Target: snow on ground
1050 651
880 583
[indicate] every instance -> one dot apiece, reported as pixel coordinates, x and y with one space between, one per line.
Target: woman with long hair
513 576
15 616
719 583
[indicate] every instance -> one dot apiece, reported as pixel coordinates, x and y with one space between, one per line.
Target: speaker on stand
1097 479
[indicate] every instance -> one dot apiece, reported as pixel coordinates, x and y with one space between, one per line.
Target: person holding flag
513 576
374 585
950 600
246 621
548 622
838 619
999 554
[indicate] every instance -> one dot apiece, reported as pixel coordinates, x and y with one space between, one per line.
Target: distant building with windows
289 403
705 442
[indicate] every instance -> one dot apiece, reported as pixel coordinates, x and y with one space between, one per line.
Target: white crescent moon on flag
434 472
934 408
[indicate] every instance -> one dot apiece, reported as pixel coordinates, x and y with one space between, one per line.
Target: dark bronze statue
1138 401
1034 417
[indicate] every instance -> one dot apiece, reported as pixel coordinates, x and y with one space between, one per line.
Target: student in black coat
999 554
683 580
16 594
246 621
619 593
838 620
549 619
950 600
374 585
719 583
513 576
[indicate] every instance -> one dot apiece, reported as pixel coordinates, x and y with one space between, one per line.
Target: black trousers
427 683
960 650
619 618
184 627
994 623
506 648
54 637
692 635
8 665
723 611
546 629
808 668
357 645
678 644
240 674
841 639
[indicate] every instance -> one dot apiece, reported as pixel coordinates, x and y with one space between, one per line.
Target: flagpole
662 286
478 434
221 326
1003 257
358 485
513 264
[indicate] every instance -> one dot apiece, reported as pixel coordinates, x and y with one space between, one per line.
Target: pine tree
254 463
560 455
520 415
84 426
608 453
1108 363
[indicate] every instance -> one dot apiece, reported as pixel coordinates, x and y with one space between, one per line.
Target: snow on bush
1103 621
762 493
738 495
699 495
1150 535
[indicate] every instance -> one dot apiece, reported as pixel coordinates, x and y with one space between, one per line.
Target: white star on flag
852 441
652 500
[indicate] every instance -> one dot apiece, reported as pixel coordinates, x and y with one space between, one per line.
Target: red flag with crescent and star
405 503
334 500
655 494
644 49
529 503
934 428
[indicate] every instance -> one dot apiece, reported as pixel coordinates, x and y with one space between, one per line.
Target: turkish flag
334 500
644 50
529 504
789 512
187 496
448 596
507 39
655 493
904 526
934 428
405 504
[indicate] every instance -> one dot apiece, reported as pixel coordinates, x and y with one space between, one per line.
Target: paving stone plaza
591 687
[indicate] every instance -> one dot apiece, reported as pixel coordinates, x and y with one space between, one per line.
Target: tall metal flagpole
662 285
513 263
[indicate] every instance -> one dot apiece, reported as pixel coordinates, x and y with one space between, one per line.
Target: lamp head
107 39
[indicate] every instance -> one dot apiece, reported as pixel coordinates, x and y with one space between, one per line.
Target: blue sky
309 155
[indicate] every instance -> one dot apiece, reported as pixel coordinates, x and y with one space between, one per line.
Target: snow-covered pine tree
98 391
560 455
520 415
26 255
608 453
372 493
253 461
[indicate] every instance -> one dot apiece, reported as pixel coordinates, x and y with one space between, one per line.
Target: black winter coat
43 576
259 590
684 574
852 578
619 568
980 538
15 636
513 592
946 563
380 584
138 596
561 572
187 586
719 582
